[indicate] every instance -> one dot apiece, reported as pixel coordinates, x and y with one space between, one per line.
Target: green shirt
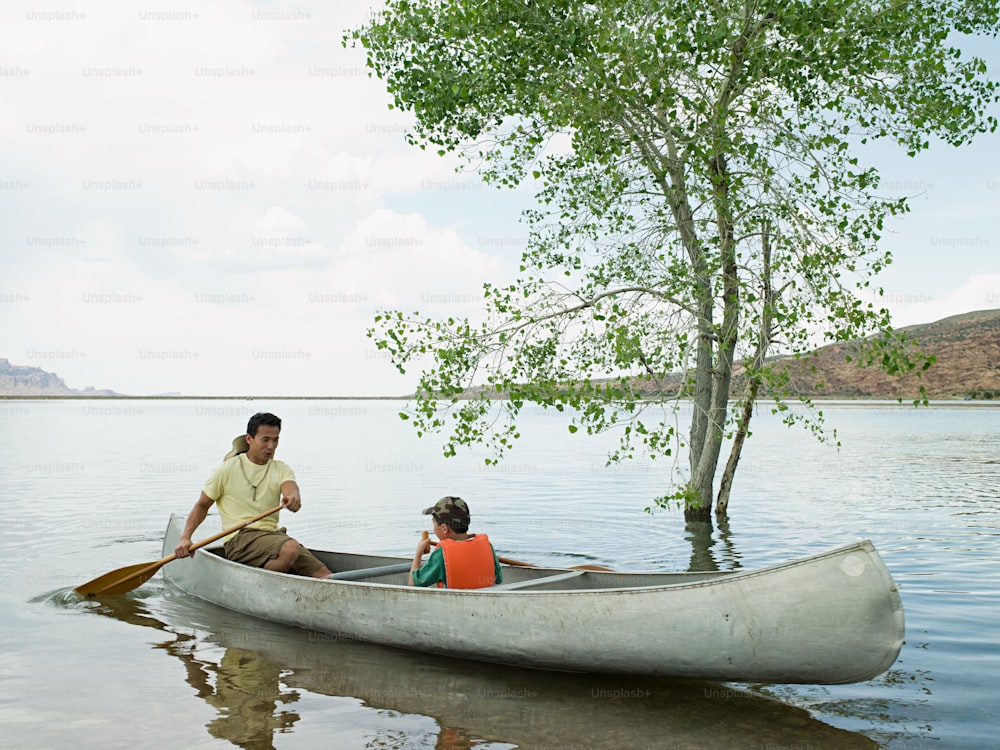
432 572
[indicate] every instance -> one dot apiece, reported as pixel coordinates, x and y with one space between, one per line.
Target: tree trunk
716 349
698 504
699 495
729 473
753 379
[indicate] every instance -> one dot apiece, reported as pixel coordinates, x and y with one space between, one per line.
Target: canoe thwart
381 570
537 581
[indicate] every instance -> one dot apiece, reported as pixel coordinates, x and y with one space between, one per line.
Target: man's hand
194 519
290 497
183 548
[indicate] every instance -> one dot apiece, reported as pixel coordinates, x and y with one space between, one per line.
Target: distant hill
967 366
966 348
967 351
20 380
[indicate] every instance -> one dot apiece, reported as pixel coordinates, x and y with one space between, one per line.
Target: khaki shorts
256 546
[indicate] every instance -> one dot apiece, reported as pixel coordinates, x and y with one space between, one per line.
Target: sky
215 199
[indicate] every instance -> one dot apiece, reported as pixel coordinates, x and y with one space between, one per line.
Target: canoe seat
537 581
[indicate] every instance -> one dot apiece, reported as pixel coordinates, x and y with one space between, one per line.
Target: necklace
259 481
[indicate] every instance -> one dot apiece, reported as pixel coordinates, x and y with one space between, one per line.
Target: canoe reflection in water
262 678
244 686
247 693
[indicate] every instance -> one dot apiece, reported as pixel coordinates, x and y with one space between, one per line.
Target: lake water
91 485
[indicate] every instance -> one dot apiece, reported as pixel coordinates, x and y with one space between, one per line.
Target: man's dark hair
262 418
458 525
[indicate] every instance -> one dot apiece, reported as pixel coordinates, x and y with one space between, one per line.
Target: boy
462 560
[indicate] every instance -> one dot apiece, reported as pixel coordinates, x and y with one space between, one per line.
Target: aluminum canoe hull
833 617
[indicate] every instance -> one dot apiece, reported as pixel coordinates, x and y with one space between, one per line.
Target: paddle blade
119 581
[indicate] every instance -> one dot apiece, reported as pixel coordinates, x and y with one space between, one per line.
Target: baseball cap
449 508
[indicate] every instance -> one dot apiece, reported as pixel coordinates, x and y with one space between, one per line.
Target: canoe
833 617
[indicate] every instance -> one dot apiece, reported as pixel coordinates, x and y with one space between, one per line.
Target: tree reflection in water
704 559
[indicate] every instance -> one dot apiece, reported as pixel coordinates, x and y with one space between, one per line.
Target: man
462 560
249 481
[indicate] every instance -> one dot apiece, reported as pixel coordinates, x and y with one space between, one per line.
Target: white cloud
401 261
978 292
216 199
278 221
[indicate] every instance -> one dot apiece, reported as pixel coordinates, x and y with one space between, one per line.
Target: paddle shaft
225 532
519 564
504 560
99 585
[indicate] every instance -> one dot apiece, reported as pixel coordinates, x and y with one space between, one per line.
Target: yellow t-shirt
232 487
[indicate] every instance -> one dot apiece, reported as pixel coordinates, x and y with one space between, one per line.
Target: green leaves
701 200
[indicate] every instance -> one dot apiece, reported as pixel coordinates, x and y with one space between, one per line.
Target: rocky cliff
19 380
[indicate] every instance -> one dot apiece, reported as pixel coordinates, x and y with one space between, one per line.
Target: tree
702 203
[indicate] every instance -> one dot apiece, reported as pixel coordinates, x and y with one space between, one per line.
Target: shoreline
84 397
860 402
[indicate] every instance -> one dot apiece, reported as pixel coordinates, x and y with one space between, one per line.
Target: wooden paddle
132 576
519 564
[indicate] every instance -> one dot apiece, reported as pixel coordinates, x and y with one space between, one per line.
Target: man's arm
291 498
194 519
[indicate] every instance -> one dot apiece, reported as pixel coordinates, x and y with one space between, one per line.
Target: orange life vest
469 564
